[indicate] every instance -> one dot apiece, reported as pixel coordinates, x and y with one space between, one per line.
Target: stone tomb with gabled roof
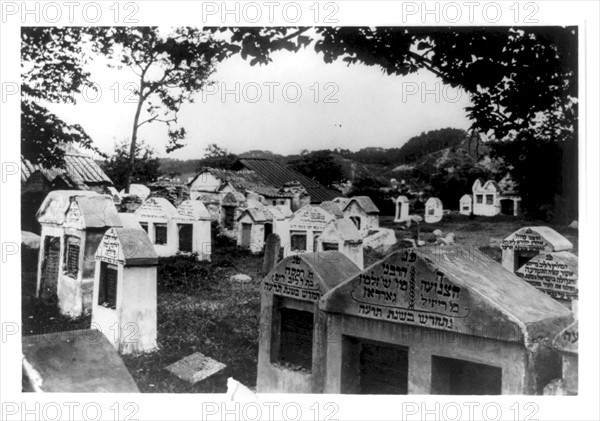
192 225
306 225
73 222
125 290
255 225
362 211
342 235
156 218
439 320
527 242
290 356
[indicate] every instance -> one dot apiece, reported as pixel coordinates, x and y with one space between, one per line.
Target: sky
296 102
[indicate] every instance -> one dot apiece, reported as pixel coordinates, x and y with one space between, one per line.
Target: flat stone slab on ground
75 362
195 367
240 278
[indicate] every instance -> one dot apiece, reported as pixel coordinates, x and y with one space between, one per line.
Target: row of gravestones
434 210
326 324
93 259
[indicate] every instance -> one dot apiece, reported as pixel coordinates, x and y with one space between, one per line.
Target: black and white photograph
299 210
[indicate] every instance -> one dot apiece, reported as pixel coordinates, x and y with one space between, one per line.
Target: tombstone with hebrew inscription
125 290
290 324
437 320
524 244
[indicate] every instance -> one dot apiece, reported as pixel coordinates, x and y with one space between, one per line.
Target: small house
342 235
527 242
291 343
125 290
402 209
73 222
434 210
156 218
192 224
362 211
465 204
306 225
489 199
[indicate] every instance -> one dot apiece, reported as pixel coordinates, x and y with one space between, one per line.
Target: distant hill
442 147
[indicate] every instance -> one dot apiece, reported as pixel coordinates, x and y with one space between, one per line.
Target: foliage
53 72
146 165
216 157
318 165
414 149
537 184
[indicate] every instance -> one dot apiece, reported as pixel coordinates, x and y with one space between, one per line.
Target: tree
171 67
217 157
146 165
53 72
522 81
320 166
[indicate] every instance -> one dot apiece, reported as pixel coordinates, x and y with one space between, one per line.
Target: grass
201 310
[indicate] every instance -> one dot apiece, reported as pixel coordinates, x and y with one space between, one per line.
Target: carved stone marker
272 248
195 367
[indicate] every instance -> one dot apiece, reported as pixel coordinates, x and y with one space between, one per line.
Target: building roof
193 210
492 295
156 207
402 199
30 240
243 180
276 174
364 202
138 190
341 229
332 207
467 196
96 211
133 247
80 171
433 201
54 207
75 361
330 268
552 240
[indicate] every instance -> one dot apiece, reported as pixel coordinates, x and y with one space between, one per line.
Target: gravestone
195 367
454 310
125 291
272 248
402 209
434 210
527 242
554 273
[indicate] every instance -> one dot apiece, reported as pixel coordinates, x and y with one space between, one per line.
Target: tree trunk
133 144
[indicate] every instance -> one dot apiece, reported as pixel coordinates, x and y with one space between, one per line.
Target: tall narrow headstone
271 252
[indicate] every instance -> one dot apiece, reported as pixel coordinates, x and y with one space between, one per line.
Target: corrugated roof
276 174
364 202
243 180
80 170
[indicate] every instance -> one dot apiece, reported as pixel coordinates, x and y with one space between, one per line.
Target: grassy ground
201 310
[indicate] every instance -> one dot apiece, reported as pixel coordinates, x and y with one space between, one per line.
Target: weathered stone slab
195 367
75 362
272 248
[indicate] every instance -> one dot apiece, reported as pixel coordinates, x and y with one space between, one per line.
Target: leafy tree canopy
146 168
320 166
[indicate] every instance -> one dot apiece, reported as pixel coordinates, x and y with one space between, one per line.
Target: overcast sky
338 107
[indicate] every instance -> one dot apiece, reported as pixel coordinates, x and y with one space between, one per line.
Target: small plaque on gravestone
271 252
195 367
